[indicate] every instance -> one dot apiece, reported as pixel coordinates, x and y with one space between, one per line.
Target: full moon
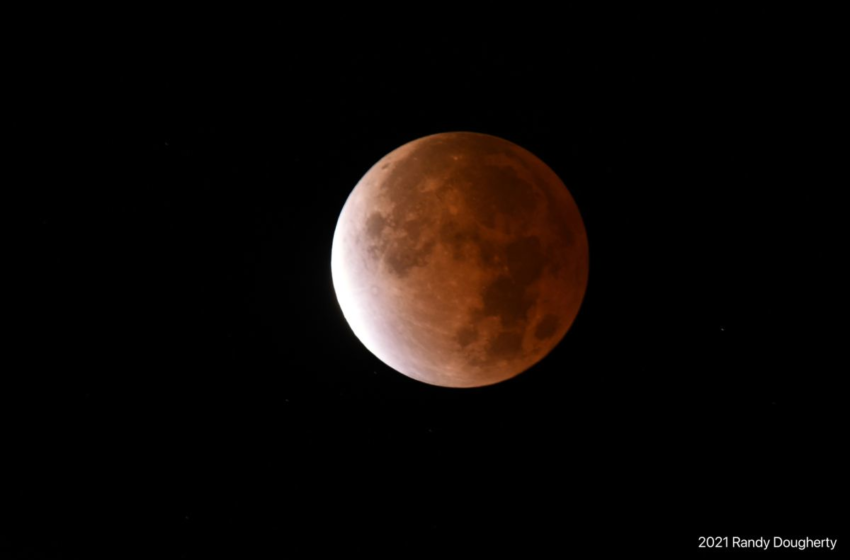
460 259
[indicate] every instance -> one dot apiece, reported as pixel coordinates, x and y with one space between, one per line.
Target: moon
460 259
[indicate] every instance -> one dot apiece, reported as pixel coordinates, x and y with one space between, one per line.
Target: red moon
460 259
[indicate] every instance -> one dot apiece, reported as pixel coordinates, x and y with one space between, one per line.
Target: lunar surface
460 259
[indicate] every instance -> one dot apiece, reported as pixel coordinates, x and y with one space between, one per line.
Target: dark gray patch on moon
402 255
505 299
525 260
507 296
495 190
459 238
453 236
466 336
411 219
506 345
375 225
413 229
547 327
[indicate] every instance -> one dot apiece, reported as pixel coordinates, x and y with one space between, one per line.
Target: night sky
182 380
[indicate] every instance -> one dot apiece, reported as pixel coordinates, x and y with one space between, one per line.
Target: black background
182 379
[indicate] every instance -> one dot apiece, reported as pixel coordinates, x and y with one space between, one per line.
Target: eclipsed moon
460 259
